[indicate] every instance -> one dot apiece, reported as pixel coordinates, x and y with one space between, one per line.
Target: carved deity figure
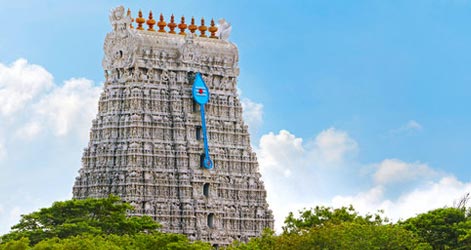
224 29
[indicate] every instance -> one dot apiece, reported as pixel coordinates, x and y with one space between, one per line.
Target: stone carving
224 29
188 50
119 49
118 20
144 145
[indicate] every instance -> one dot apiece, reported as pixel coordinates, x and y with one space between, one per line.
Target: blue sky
361 102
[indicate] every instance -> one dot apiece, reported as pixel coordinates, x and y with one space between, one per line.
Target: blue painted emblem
200 90
201 96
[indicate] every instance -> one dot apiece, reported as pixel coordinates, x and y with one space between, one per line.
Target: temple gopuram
149 139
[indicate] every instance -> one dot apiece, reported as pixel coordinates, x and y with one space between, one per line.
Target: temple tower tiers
146 141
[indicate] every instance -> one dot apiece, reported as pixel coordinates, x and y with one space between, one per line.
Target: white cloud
29 130
21 83
252 113
422 198
69 107
280 152
367 201
411 127
433 195
63 109
333 146
44 127
295 172
296 177
394 170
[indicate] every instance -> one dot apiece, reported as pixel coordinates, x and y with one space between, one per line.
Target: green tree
21 244
340 236
267 240
443 228
318 216
76 217
139 241
354 235
324 228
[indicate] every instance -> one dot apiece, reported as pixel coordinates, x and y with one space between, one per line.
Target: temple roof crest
120 21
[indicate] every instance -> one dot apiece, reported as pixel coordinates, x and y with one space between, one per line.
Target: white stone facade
144 145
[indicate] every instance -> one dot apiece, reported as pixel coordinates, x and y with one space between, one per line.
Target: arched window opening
211 220
206 189
202 160
198 133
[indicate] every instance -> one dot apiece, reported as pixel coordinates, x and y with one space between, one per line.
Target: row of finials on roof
172 25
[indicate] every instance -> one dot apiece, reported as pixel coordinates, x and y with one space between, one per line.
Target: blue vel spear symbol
201 96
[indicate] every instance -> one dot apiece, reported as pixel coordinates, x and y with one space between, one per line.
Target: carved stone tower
146 141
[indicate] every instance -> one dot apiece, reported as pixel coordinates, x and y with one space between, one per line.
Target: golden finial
140 20
172 25
202 28
182 26
213 29
151 22
132 19
192 26
161 23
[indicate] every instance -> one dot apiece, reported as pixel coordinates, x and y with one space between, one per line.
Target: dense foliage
77 217
319 216
344 229
336 229
443 228
137 241
91 224
103 224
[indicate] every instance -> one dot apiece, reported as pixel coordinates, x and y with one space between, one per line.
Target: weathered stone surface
144 145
